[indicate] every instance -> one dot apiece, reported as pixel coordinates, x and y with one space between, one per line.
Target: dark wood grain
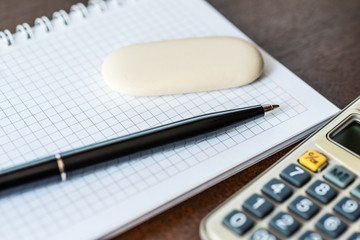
317 40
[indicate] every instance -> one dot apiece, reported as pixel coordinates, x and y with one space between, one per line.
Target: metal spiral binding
60 19
24 32
6 38
98 4
44 24
79 9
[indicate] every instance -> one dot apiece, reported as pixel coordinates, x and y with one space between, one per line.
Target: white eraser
182 66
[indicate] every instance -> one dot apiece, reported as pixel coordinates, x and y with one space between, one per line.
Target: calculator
312 193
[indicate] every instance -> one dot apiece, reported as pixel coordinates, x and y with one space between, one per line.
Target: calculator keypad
313 160
310 235
295 175
277 190
356 192
285 224
238 222
262 234
258 206
303 207
348 208
339 176
355 236
322 191
331 225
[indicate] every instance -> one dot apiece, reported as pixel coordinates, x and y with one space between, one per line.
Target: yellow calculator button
312 160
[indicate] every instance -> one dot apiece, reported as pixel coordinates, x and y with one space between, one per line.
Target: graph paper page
53 99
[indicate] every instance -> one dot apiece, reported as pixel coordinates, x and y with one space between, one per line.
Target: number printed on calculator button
331 225
258 206
303 207
238 222
277 190
262 234
284 224
310 235
348 208
339 176
321 191
295 175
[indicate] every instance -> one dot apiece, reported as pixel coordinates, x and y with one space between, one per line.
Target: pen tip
270 107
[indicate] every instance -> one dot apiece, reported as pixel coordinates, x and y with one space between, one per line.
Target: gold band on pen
61 167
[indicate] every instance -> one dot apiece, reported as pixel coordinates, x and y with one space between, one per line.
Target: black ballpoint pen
60 163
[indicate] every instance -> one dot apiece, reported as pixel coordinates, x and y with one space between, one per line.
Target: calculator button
339 176
356 192
348 208
284 224
277 190
238 222
310 235
295 175
331 225
258 206
262 234
355 236
321 191
312 160
303 207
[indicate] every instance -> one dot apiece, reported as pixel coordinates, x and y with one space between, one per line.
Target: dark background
318 40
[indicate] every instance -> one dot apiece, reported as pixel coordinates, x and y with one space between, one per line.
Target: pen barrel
28 172
59 164
158 136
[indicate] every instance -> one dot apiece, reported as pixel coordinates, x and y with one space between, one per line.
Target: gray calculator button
284 224
238 222
262 234
339 176
303 207
355 236
295 175
310 235
258 206
331 225
321 191
277 190
348 208
356 192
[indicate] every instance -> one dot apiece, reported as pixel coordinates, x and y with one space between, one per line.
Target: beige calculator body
311 193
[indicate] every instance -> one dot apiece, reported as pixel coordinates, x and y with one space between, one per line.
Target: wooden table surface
317 40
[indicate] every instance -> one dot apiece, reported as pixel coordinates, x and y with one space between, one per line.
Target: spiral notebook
53 99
